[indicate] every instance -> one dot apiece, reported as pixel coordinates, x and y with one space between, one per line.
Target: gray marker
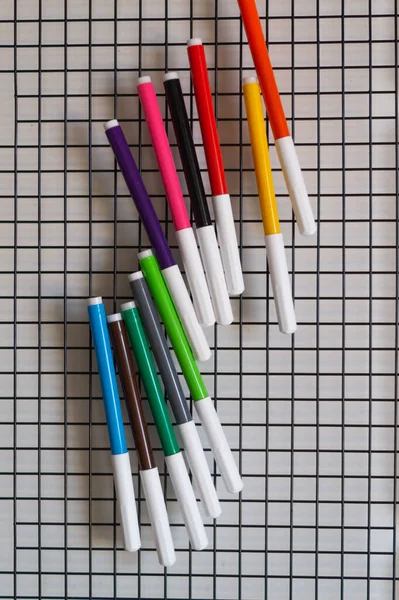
185 424
159 347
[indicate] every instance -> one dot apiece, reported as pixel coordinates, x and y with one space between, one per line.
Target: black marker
205 230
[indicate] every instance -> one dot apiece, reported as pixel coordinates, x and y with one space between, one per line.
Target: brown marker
149 474
131 391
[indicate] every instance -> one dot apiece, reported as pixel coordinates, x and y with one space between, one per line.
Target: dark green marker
173 457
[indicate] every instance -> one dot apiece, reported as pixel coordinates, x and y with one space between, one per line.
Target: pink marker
184 232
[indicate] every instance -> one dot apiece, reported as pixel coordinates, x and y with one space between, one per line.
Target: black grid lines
311 419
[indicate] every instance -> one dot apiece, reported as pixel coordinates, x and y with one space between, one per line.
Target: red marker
282 138
227 236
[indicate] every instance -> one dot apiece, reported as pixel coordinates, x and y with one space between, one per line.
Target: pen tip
144 79
94 300
114 317
170 75
110 124
249 79
194 42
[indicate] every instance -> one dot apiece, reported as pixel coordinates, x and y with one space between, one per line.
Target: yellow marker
267 199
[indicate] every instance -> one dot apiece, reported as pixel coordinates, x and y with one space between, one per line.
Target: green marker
173 457
166 309
203 403
150 379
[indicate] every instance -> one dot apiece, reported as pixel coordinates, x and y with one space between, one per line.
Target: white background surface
319 456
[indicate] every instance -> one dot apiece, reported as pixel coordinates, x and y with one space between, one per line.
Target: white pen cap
125 494
214 274
197 462
187 501
219 444
278 269
296 185
185 309
158 516
195 276
227 238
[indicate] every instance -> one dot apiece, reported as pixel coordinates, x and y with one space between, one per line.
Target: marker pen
273 237
226 230
282 137
149 474
205 231
170 270
173 457
184 233
120 456
175 394
202 402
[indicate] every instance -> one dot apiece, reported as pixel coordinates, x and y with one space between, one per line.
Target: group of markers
161 297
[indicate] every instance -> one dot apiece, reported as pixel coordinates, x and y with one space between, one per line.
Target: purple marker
170 270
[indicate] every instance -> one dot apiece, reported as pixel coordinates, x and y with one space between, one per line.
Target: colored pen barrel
273 238
282 137
175 394
149 474
173 457
120 456
139 193
170 270
203 404
184 232
224 218
205 231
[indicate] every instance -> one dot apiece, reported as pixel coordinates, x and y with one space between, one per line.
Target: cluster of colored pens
138 326
160 295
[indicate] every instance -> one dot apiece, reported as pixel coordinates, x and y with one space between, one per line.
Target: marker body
212 263
159 346
149 377
131 392
113 413
287 155
163 153
157 237
185 235
273 238
188 155
139 193
167 311
227 236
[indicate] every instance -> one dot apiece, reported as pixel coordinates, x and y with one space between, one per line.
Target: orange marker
283 140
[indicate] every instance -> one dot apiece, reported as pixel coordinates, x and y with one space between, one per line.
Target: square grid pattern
312 418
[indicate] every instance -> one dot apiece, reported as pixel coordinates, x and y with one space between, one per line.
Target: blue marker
113 413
